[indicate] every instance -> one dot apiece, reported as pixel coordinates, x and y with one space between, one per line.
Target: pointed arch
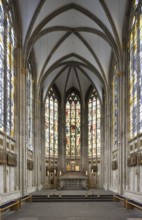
73 127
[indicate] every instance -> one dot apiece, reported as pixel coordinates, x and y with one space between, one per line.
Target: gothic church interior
70 96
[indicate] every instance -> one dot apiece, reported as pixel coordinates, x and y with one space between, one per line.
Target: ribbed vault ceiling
73 40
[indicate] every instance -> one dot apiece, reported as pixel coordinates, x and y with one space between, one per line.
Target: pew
119 198
12 205
27 198
130 204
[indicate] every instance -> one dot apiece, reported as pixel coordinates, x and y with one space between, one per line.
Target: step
72 198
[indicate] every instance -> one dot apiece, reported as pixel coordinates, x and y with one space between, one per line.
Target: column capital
23 71
119 74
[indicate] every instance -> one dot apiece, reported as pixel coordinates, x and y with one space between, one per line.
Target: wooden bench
27 198
12 205
119 198
130 204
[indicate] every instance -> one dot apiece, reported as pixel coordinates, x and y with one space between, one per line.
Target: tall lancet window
115 104
94 125
10 44
51 125
73 131
29 108
1 67
7 71
135 71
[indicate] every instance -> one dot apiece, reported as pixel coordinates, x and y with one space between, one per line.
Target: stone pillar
42 146
106 147
102 159
17 116
85 137
39 157
121 150
61 137
22 127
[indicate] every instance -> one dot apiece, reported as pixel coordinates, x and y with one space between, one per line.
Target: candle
54 171
60 173
86 173
92 171
47 173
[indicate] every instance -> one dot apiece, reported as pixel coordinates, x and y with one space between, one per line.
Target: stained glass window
29 108
94 125
12 83
7 72
51 125
140 78
115 100
135 73
1 67
8 57
10 44
73 122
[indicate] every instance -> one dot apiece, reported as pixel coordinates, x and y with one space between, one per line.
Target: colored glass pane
135 74
140 78
94 125
1 67
12 83
7 71
30 108
51 125
115 102
73 123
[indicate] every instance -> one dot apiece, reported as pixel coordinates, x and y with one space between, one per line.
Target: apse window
73 130
94 127
51 125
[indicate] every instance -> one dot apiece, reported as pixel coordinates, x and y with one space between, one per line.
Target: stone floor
73 210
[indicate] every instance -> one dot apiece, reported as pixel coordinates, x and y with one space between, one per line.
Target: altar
73 180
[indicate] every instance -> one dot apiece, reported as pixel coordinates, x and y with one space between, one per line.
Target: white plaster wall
99 183
1 179
131 178
140 180
135 179
31 189
7 179
133 195
114 180
10 196
30 178
12 179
